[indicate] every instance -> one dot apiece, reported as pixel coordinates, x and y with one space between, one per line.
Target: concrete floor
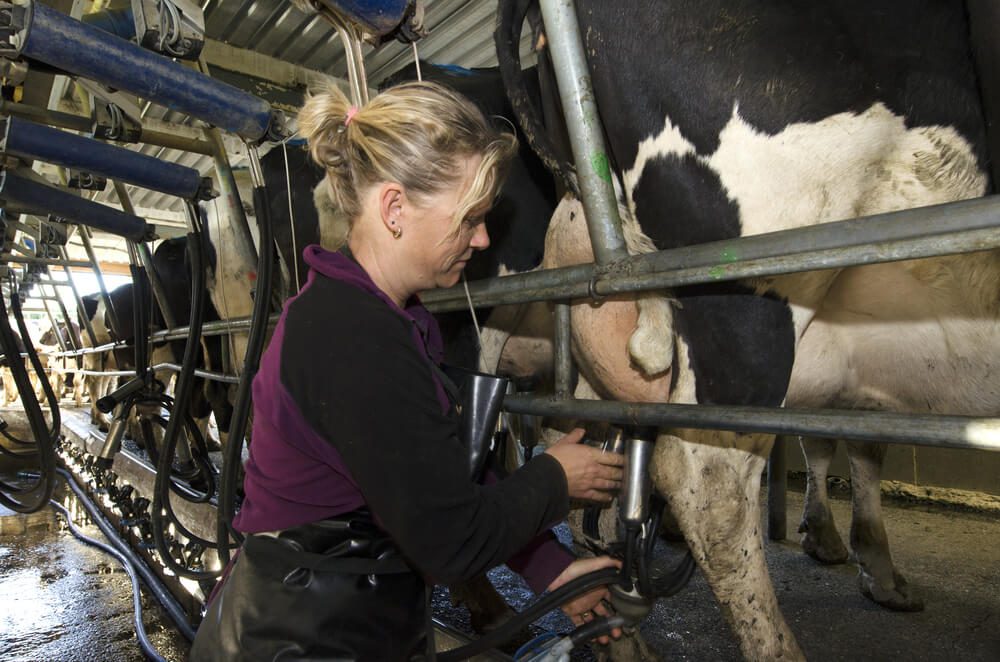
61 600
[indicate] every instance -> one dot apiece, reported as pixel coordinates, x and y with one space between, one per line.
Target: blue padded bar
72 46
28 194
39 142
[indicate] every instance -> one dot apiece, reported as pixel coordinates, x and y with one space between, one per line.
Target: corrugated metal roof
459 32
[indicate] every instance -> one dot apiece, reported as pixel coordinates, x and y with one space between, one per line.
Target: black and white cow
48 344
733 118
172 265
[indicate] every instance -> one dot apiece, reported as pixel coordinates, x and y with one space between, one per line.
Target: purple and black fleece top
348 413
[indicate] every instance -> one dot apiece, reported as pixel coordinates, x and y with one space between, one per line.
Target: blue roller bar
43 199
67 44
379 17
38 142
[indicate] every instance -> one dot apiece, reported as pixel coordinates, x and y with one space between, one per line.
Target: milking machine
33 35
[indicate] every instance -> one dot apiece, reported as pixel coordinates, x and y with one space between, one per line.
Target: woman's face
441 252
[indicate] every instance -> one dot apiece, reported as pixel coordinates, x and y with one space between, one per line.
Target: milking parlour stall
753 247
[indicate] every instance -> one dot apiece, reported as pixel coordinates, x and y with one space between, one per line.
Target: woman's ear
391 200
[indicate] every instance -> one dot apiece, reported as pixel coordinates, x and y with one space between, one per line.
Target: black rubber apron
331 590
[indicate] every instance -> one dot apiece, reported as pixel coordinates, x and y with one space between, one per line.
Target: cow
728 119
10 393
49 344
172 265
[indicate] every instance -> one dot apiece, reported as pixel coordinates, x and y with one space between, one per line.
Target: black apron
331 590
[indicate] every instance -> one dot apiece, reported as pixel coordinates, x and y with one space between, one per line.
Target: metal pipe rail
86 125
77 264
173 367
49 36
957 227
901 235
964 432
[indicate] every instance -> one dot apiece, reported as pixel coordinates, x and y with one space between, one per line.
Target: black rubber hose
170 605
541 607
255 345
596 628
185 383
55 428
34 498
140 630
507 38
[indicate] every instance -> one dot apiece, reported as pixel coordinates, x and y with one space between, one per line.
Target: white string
291 214
416 61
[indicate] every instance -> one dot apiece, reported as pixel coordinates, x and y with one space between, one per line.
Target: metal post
52 321
562 354
146 259
81 310
228 190
85 238
74 337
585 132
777 485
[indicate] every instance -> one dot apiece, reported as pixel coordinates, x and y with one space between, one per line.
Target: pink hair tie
351 112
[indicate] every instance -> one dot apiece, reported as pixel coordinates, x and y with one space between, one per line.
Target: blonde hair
415 134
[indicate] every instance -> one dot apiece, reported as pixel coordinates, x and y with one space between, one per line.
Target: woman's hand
585 608
591 474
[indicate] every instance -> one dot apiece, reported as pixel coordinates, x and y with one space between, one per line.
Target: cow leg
715 494
820 538
877 576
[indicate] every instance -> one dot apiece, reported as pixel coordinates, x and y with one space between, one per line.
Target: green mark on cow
599 162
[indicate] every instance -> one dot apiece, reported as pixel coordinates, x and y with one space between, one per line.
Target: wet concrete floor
61 600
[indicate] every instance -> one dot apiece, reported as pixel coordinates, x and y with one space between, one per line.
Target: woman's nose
480 238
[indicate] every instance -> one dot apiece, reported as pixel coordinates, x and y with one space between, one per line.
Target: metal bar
55 327
562 355
81 309
40 198
109 306
919 429
969 225
33 141
777 486
72 46
51 117
147 261
74 336
86 125
171 141
44 260
584 125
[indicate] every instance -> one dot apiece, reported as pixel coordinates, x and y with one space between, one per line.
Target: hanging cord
291 213
170 605
140 630
232 461
182 396
30 499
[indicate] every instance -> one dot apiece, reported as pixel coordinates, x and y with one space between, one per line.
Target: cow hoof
899 597
823 543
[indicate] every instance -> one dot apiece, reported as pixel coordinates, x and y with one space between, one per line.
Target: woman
357 489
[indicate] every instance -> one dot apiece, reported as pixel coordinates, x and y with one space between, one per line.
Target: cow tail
511 15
